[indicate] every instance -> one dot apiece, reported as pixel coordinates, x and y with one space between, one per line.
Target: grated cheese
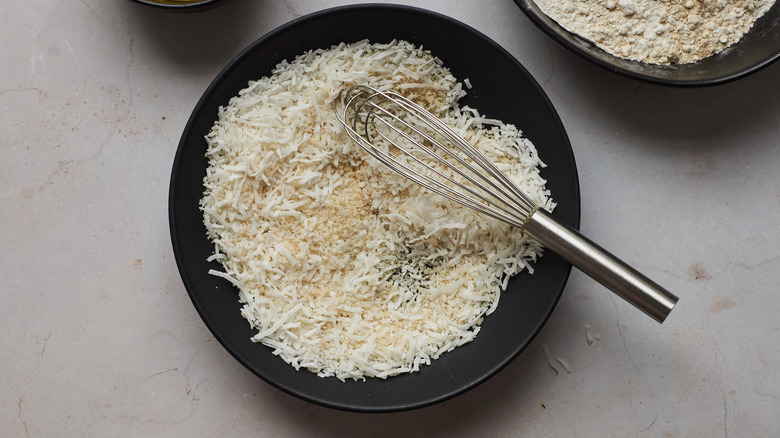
343 267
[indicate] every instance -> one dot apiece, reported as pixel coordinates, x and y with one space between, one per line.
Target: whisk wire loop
429 176
394 163
435 125
515 194
389 121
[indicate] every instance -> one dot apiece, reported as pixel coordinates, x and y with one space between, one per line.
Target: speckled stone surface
100 338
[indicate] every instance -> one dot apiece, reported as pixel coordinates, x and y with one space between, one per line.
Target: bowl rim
187 6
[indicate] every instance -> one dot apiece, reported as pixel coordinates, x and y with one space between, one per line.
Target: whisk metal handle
600 265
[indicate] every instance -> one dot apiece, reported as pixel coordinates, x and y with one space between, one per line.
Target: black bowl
502 88
756 50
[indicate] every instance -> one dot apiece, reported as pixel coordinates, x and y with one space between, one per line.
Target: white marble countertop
100 338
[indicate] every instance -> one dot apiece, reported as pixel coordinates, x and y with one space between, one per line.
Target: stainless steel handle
591 259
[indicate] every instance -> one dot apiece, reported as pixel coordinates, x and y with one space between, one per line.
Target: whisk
418 145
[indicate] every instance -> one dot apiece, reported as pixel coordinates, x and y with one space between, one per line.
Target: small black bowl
756 50
502 89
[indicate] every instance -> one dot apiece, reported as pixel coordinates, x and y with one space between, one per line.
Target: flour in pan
658 31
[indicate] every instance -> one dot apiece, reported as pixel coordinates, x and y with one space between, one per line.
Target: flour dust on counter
343 267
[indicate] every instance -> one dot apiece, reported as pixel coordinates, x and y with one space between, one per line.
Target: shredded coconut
658 31
343 267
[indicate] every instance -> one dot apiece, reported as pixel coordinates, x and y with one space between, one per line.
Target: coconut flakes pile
343 267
